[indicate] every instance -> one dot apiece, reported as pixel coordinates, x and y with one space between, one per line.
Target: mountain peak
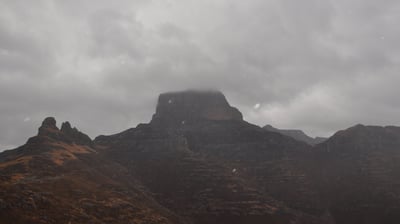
48 126
66 126
49 122
49 130
74 134
192 106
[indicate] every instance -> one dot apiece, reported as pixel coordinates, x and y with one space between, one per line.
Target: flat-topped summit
192 106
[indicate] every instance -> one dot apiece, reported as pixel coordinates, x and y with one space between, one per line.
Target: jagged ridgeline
198 162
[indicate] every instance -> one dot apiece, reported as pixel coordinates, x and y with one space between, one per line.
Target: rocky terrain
58 177
198 162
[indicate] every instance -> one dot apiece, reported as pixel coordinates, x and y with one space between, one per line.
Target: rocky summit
198 162
179 108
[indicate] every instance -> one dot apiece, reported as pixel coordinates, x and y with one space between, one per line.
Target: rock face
75 135
49 131
196 188
49 122
177 108
296 134
48 127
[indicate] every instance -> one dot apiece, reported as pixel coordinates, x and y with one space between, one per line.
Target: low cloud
315 65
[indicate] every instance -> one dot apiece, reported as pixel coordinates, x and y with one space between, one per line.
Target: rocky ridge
296 134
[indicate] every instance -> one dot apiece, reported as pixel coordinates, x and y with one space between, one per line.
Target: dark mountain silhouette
198 162
178 108
358 169
296 134
178 156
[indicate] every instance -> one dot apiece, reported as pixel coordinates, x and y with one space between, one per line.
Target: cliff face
179 108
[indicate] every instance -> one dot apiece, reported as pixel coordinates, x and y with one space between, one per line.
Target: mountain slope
212 161
359 173
57 177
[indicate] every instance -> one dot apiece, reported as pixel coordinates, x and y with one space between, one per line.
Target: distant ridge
296 134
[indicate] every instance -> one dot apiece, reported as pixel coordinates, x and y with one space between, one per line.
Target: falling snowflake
183 122
170 101
234 170
257 106
27 119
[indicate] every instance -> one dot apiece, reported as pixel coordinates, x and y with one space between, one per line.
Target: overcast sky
317 65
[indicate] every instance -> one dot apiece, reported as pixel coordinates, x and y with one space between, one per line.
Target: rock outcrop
75 135
180 108
48 127
49 131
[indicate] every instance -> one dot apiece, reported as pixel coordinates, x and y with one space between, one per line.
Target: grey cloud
315 65
115 34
